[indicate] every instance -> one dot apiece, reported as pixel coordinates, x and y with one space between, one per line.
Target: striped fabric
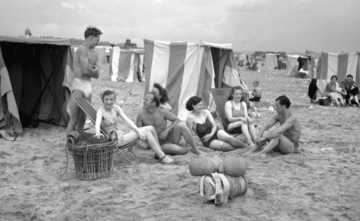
340 65
126 65
186 69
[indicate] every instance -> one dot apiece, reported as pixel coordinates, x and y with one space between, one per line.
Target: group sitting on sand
344 94
152 126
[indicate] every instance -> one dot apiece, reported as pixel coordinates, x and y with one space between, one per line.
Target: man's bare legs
152 141
223 136
77 116
283 144
182 130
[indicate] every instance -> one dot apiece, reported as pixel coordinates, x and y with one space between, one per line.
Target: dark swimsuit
204 129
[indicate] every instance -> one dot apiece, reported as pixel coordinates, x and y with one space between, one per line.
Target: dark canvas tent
35 76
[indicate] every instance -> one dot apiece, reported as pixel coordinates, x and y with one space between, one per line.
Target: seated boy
256 93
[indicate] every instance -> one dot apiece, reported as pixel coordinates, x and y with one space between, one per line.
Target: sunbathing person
106 118
284 139
336 93
169 136
237 114
204 126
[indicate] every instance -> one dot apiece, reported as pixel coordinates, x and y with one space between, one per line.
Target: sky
250 25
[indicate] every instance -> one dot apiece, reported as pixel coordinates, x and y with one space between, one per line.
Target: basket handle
113 135
71 141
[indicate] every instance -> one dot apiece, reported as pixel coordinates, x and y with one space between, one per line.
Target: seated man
352 90
284 139
169 136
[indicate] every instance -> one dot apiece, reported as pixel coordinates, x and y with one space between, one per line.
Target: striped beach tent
126 65
186 69
339 64
35 81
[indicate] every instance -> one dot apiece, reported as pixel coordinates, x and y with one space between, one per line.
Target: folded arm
86 67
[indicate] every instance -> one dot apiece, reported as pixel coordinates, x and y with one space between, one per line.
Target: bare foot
196 151
166 160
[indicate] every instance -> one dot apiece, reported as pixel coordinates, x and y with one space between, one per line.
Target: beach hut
186 69
339 64
272 61
126 65
35 82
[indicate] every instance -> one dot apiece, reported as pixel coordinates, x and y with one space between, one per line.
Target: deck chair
220 96
90 111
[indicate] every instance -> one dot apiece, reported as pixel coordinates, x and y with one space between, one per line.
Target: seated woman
106 118
333 91
237 115
204 126
163 96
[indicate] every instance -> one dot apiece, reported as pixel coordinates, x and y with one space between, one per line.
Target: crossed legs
247 129
171 146
226 142
280 143
151 140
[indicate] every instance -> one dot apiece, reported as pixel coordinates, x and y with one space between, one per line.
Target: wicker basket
92 161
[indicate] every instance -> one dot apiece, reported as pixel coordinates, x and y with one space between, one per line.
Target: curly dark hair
92 31
107 92
194 100
334 76
163 93
283 100
155 99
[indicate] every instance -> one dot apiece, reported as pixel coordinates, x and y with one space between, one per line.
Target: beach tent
292 65
186 69
341 65
242 59
35 81
126 65
101 53
271 61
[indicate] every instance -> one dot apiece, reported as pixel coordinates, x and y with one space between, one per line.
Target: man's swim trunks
83 86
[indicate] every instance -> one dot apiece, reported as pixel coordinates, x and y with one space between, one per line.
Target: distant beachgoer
106 118
352 90
336 93
169 136
284 139
237 114
85 67
256 93
204 126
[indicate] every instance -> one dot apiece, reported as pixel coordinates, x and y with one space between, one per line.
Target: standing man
169 136
284 139
85 67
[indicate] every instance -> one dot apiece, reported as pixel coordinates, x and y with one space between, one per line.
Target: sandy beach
319 183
